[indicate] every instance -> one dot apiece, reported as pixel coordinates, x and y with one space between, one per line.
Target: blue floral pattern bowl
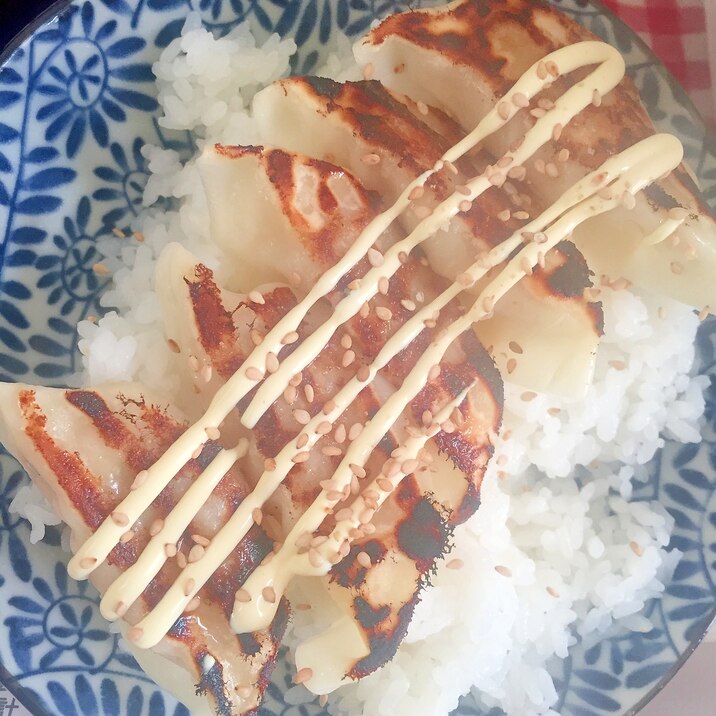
77 102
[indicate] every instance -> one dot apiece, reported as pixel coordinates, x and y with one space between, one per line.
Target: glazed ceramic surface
77 102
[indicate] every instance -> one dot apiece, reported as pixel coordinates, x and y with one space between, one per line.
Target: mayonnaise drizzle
629 172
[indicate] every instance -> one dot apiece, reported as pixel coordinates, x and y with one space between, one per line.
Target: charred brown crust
79 484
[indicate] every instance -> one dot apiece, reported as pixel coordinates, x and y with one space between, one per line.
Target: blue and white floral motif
92 79
77 103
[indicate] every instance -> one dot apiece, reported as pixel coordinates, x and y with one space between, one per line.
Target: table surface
692 692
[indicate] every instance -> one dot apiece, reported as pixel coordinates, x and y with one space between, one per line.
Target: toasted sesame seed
141 477
384 484
465 205
364 310
355 284
368 71
363 558
302 417
302 441
100 269
257 515
409 466
181 560
189 586
357 470
375 257
301 457
552 170
193 605
303 607
119 233
517 173
704 313
636 548
256 297
289 338
309 392
557 132
121 609
269 594
120 519
520 99
511 365
196 553
88 562
455 564
504 571
488 303
127 537
135 633
526 266
355 430
541 70
256 338
422 107
552 68
269 464
329 406
528 396
173 345
503 109
156 527
322 700
212 433
605 193
540 166
450 167
677 268
434 372
303 675
371 159
563 155
340 433
243 596
206 373
272 364
315 558
193 363
403 258
383 285
384 313
462 189
348 357
521 215
678 213
366 516
538 112
504 215
331 451
324 428
290 394
552 592
346 341
244 692
363 373
253 373
597 98
344 514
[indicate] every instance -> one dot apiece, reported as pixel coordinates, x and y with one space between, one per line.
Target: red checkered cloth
682 33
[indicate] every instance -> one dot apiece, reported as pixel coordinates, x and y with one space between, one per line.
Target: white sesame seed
256 297
195 553
120 519
375 257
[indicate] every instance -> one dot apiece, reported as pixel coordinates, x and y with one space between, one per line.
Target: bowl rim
25 695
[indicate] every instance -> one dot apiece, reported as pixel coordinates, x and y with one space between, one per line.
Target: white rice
578 554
